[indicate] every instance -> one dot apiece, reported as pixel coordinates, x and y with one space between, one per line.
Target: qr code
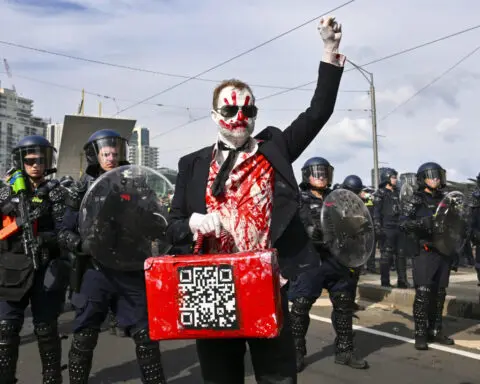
208 297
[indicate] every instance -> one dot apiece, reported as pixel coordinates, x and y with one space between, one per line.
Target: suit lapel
281 165
284 192
200 170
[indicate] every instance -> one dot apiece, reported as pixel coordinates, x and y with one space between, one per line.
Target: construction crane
9 73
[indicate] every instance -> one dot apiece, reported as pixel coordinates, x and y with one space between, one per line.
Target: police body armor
391 203
423 206
46 207
310 214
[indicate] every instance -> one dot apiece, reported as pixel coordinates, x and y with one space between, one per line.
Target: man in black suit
241 194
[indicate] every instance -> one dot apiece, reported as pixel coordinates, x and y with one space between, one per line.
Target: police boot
342 319
435 333
50 348
420 316
9 344
385 262
300 321
81 355
402 281
149 358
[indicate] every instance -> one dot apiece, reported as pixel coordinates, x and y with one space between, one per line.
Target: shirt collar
220 156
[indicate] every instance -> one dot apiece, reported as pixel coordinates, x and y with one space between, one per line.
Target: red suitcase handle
198 244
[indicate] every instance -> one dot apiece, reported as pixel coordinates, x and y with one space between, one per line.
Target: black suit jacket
287 232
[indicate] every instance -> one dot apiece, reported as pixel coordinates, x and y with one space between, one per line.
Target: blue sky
186 37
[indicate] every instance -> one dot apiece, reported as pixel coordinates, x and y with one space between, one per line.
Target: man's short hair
229 83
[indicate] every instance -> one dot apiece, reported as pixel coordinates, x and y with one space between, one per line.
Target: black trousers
222 360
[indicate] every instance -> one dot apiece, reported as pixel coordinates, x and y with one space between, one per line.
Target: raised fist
331 33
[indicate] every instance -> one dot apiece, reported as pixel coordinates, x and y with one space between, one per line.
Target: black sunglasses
229 111
34 160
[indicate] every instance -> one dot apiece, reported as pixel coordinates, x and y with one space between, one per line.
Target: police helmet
385 175
317 167
431 170
101 139
34 149
353 183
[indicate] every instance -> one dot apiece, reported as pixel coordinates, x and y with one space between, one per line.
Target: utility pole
373 107
374 132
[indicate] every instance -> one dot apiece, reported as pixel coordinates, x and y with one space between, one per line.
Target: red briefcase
214 296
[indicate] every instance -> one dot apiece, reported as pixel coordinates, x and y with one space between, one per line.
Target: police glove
209 224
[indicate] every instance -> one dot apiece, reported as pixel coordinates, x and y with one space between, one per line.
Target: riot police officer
475 202
30 258
317 176
431 270
101 288
386 215
354 184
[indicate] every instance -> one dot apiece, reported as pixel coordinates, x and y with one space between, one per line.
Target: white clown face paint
235 123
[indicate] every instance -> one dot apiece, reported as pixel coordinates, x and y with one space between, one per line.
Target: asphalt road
384 339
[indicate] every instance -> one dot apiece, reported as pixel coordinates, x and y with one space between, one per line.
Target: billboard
75 133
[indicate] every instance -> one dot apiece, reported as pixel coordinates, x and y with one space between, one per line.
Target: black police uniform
336 278
386 216
102 288
22 285
370 266
431 270
475 225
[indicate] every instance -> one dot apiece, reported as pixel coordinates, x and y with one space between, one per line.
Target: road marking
463 278
443 348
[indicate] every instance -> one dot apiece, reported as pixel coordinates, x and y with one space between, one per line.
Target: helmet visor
110 151
321 171
438 174
26 158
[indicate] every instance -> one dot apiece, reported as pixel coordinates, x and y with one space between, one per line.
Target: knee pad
342 301
148 351
149 358
85 340
422 293
43 330
10 332
302 305
143 342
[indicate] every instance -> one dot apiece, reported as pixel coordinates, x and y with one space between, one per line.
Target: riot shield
123 217
451 222
407 191
347 228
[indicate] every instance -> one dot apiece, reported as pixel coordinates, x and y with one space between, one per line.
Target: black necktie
218 185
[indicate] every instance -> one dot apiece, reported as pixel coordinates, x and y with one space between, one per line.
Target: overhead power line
462 60
380 59
145 70
233 58
363 65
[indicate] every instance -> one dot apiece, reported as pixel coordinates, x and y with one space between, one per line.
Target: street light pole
369 77
374 132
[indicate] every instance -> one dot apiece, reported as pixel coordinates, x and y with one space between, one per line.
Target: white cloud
446 125
396 96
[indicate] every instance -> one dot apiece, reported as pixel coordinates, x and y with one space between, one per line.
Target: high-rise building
54 135
16 122
140 151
